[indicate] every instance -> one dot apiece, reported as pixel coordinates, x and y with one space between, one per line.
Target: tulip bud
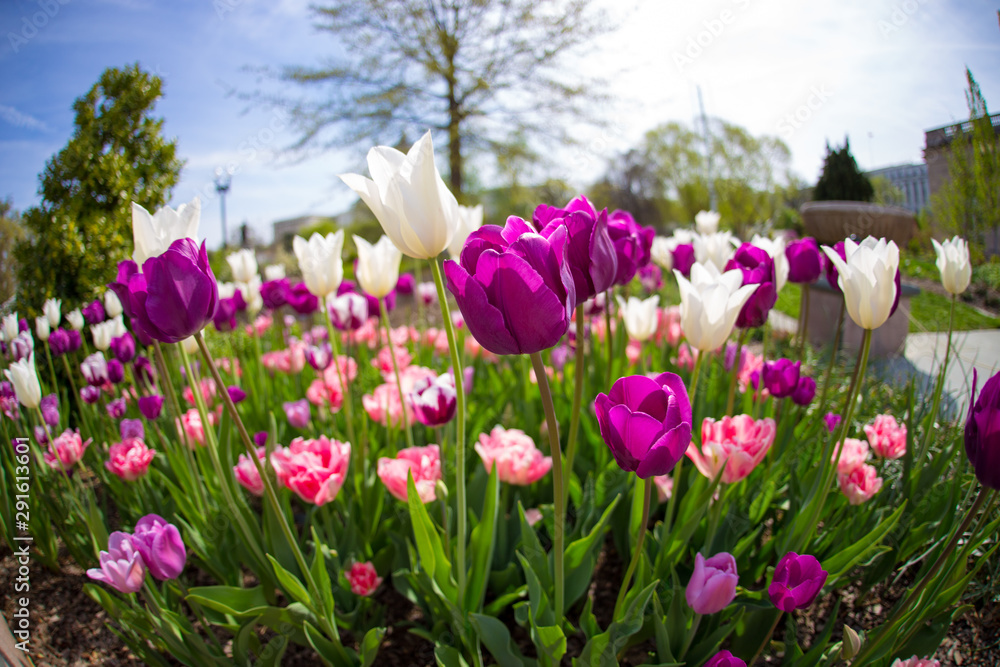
713 584
161 547
796 582
982 431
24 377
851 645
52 308
953 263
122 566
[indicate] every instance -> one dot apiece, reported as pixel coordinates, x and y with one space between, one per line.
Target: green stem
833 359
938 389
714 516
647 491
607 336
456 368
803 330
578 378
344 389
557 482
736 371
690 636
52 368
679 468
395 370
767 638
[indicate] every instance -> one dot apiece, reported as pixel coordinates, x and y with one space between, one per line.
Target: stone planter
832 221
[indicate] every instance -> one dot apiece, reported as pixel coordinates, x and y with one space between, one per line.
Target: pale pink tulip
887 437
632 352
345 366
66 449
383 405
194 430
247 474
664 487
532 516
314 469
669 326
129 459
477 351
424 463
686 357
739 443
208 392
915 662
854 456
383 360
514 453
860 484
322 394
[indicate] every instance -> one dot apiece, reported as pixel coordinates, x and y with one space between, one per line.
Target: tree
10 233
841 179
83 226
474 71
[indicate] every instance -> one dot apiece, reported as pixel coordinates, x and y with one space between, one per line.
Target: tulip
713 583
274 272
887 437
94 313
716 248
867 277
161 546
797 581
301 299
725 659
775 248
805 262
236 395
710 304
320 262
132 428
116 372
9 328
662 253
274 293
363 578
646 422
66 449
781 377
90 394
175 294
738 443
915 662
297 413
49 407
408 196
640 316
632 243
860 484
22 346
805 391
982 431
832 420
41 435
194 429
129 459
122 566
514 454
422 463
59 342
854 456
758 270
24 378
683 256
348 311
123 347
117 408
154 234
102 334
378 266
247 474
515 291
319 357
150 406
42 329
243 264
75 319
95 369
590 252
470 219
434 400
52 309
112 306
313 469
953 263
427 293
651 277
75 340
707 222
225 315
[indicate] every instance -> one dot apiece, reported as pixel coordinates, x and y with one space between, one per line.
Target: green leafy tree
841 179
477 72
83 226
10 233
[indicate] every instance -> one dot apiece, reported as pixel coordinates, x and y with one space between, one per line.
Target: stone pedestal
824 308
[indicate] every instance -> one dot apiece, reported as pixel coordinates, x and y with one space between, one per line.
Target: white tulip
23 376
717 248
953 263
251 294
118 326
52 310
640 316
470 219
320 262
776 249
9 328
102 334
190 345
112 306
226 290
710 303
42 328
406 193
153 234
378 266
662 252
75 319
867 279
243 264
707 222
274 272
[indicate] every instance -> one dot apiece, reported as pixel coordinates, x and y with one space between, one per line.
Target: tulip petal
485 321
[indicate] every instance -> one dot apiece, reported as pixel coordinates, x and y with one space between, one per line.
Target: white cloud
19 119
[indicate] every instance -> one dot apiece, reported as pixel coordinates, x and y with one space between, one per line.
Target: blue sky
880 71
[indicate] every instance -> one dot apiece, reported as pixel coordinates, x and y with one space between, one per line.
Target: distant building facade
937 150
911 179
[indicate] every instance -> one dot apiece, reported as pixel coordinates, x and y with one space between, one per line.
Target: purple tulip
9 404
93 312
117 408
174 297
90 394
797 581
781 377
236 395
239 302
319 356
514 287
22 346
41 435
151 406
123 347
651 277
225 315
406 283
725 659
297 413
982 431
274 293
122 566
646 422
59 342
348 287
805 261
590 253
75 340
757 268
684 258
348 311
132 428
116 372
22 325
632 245
434 400
140 335
95 369
713 583
260 438
50 410
805 391
302 300
832 275
161 546
832 420
144 373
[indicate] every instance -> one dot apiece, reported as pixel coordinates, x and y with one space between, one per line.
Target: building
937 150
911 179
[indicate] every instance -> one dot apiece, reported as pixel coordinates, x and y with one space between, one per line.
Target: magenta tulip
713 583
161 546
797 581
982 431
121 566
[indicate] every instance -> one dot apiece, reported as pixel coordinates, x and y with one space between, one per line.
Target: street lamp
223 179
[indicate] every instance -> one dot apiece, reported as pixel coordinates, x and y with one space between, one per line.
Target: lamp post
223 179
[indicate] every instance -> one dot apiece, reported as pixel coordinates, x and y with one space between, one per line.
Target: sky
880 72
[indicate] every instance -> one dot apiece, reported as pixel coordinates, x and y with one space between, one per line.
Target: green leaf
844 561
290 583
532 550
495 635
482 544
321 576
448 656
370 645
432 557
328 652
232 600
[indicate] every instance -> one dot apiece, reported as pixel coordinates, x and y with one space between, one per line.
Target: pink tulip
345 366
433 400
669 326
322 394
208 392
129 459
438 339
193 428
887 437
632 352
860 484
259 326
383 405
477 351
122 566
686 356
664 487
314 469
517 459
424 463
532 516
66 449
363 578
247 474
738 443
383 360
915 662
713 583
854 456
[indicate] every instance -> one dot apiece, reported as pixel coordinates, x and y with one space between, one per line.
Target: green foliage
841 179
82 228
11 233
